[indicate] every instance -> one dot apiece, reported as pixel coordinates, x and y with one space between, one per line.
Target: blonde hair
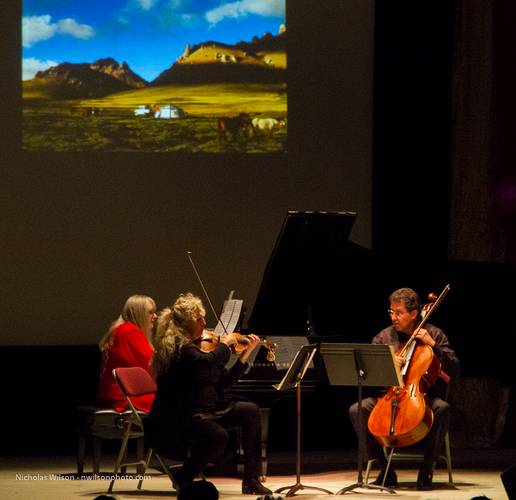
172 331
135 310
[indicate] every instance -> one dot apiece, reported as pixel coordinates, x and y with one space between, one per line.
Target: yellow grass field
203 100
61 125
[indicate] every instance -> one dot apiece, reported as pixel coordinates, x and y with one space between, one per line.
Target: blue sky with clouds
148 34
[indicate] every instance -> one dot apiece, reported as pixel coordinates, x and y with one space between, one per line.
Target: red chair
135 381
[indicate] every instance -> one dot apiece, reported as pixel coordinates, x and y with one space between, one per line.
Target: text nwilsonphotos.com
72 477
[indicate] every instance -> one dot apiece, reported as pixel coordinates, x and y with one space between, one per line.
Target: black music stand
361 365
293 379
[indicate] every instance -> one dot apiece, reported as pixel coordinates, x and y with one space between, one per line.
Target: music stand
292 379
361 365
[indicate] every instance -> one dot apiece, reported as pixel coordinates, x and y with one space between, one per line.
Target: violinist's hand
229 339
252 342
400 361
425 337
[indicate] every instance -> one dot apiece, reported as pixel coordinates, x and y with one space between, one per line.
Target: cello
402 416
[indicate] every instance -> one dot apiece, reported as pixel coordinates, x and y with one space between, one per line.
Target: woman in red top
127 343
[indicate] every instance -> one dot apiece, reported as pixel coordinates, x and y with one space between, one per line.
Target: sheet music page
303 359
229 316
286 350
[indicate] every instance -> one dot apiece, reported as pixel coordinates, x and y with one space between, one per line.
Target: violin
208 341
403 417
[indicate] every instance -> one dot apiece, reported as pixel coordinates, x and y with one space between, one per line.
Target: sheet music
229 316
286 350
300 364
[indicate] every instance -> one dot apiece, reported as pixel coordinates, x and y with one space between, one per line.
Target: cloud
70 27
242 8
163 13
146 4
38 28
31 66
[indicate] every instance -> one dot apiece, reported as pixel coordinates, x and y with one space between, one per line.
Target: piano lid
314 277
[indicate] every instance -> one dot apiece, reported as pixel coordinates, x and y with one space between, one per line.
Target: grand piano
316 287
320 286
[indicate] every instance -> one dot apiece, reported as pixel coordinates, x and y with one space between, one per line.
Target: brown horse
236 126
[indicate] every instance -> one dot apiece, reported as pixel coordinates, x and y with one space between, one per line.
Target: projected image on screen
154 75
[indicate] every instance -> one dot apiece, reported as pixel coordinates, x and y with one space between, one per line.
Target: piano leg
264 417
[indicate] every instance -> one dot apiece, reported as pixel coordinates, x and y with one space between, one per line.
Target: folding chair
407 456
135 381
96 425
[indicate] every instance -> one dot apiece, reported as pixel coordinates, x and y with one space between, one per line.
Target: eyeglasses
392 312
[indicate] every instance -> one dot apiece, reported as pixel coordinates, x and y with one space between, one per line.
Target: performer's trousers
434 439
207 439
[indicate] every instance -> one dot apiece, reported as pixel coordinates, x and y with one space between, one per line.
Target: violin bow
189 254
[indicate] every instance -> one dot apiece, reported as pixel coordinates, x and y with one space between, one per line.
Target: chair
408 456
98 424
134 381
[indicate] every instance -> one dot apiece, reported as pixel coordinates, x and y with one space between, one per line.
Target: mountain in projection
84 80
262 60
121 72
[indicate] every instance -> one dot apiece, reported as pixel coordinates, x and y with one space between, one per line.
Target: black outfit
190 413
440 408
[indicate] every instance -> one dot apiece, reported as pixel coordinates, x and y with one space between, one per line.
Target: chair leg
97 451
121 454
264 417
368 470
123 467
144 467
140 469
81 452
167 471
448 457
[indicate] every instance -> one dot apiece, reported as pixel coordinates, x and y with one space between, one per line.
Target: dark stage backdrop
81 232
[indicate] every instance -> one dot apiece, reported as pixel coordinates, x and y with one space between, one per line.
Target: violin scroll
242 342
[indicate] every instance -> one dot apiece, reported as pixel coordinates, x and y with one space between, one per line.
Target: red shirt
130 348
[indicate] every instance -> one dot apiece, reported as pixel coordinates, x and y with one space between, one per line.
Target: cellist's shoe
252 486
424 481
391 480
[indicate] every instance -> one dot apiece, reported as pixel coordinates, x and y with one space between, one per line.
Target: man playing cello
405 312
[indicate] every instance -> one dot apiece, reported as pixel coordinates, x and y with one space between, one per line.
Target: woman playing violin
190 413
405 313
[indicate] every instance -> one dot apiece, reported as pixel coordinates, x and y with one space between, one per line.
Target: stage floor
55 478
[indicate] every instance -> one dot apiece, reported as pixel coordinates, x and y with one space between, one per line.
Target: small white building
142 111
168 111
